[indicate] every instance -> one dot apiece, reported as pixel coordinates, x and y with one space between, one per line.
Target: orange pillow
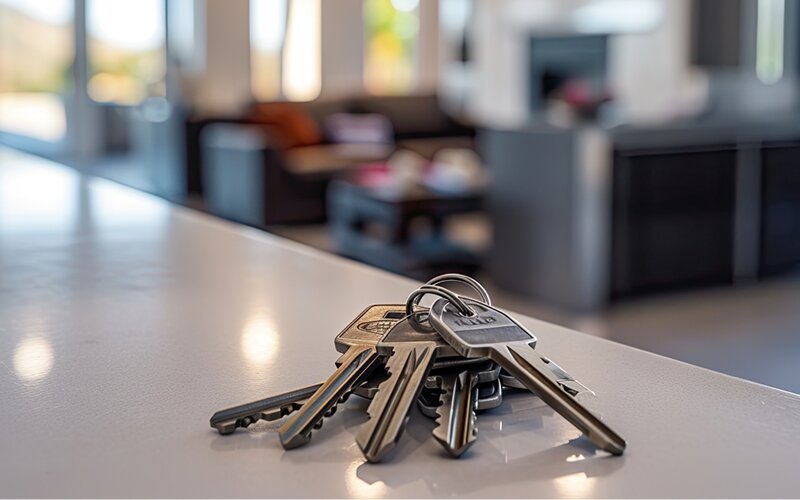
293 124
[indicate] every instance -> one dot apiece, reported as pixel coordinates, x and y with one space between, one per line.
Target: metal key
459 398
491 333
360 357
488 384
371 324
272 408
275 407
490 395
456 417
411 356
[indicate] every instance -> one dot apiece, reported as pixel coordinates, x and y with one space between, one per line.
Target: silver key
490 395
276 407
411 356
272 408
491 333
456 420
360 357
564 379
459 398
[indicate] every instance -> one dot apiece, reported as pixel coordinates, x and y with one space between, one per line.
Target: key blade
526 365
408 369
356 365
272 408
565 379
456 420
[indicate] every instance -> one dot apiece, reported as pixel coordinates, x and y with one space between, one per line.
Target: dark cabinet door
672 219
780 208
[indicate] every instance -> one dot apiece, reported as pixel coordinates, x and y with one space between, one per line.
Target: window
391 45
36 54
769 41
285 49
267 29
125 44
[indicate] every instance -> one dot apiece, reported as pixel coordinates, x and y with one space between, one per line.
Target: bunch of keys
453 360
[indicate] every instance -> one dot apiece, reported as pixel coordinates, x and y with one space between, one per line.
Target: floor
751 331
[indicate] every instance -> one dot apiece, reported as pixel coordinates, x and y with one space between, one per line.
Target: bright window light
391 46
127 59
769 41
302 51
36 54
267 31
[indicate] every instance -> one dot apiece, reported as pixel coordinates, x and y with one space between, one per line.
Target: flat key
411 356
456 420
491 333
359 359
272 408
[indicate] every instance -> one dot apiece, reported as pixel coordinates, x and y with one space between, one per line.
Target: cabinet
780 207
672 218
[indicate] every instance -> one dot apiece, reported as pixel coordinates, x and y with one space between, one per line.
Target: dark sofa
249 173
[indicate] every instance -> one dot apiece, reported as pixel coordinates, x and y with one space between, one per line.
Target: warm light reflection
33 359
358 488
577 485
259 340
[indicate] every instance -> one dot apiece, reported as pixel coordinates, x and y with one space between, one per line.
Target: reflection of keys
491 333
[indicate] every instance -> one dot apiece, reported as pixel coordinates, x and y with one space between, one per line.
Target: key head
474 336
370 326
403 332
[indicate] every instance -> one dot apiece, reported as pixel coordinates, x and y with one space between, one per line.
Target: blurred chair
246 179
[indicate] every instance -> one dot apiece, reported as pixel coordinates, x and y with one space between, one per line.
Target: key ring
416 296
463 279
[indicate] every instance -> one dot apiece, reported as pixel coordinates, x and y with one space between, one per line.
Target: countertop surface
125 322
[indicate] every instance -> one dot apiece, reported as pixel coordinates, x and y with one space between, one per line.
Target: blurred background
628 168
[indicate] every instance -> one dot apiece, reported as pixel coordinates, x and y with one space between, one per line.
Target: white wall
648 72
224 85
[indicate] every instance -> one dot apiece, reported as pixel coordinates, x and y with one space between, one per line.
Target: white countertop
125 322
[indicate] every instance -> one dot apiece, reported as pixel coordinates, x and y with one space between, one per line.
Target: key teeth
379 435
301 440
456 443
